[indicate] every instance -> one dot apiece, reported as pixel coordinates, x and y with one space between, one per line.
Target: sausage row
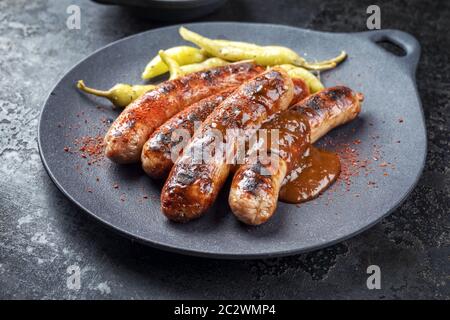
157 130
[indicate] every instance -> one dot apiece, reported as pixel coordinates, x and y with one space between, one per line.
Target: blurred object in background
169 10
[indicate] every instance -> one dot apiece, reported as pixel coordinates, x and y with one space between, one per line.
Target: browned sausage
157 152
253 196
133 127
192 185
329 108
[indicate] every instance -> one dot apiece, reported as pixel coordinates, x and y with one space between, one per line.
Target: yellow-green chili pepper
207 64
310 79
177 71
182 55
237 44
174 67
263 55
120 95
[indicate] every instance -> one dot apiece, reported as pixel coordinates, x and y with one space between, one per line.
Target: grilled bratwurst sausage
192 185
253 196
127 135
157 154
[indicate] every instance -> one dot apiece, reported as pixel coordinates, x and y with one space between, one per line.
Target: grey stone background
42 233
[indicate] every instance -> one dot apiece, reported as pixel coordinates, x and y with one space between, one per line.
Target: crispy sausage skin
253 197
329 108
127 135
192 185
157 158
157 152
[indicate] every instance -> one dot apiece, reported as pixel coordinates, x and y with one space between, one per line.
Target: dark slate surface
42 233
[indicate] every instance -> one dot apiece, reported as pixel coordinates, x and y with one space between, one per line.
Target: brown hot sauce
310 170
316 171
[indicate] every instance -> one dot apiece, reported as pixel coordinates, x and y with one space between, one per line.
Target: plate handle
402 39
